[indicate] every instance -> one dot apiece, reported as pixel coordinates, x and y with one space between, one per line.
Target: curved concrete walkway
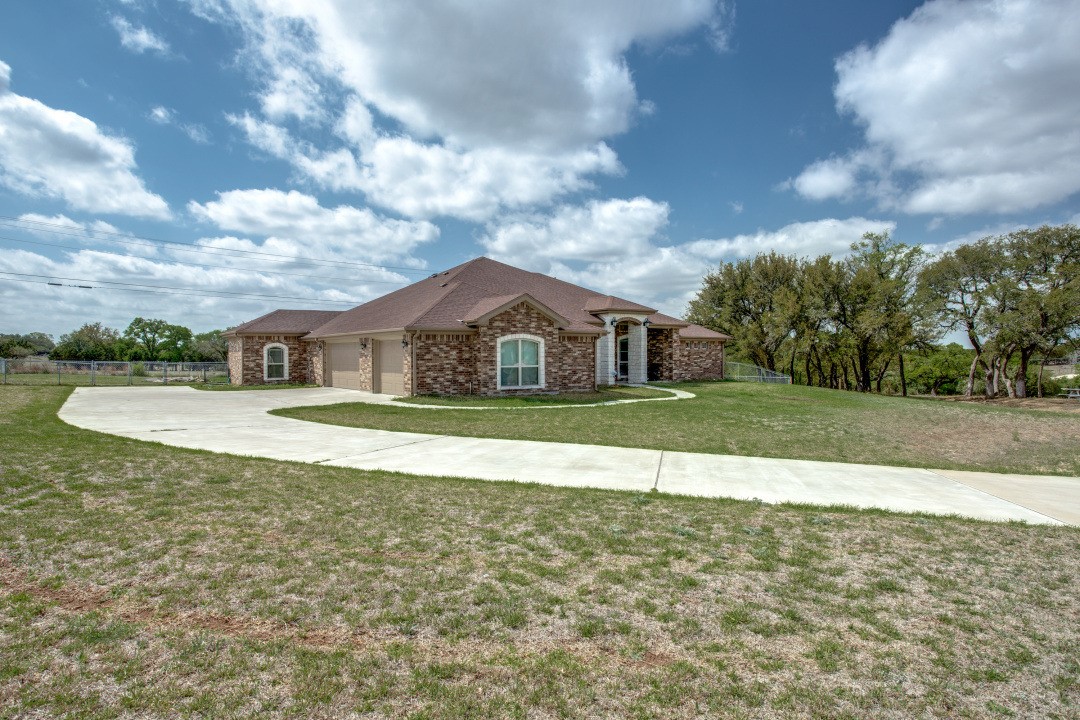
238 423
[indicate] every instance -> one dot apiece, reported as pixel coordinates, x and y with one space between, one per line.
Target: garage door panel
345 365
391 366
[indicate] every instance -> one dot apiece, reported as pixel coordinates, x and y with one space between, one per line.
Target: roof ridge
450 287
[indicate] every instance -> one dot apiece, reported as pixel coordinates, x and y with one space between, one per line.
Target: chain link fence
41 371
745 372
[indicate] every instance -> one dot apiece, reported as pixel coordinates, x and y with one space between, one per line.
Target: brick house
481 328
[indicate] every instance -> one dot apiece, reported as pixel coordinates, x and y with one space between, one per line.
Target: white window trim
498 361
266 362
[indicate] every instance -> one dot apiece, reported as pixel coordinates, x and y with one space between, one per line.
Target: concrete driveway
238 423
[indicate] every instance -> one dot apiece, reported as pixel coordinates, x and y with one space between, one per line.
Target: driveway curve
238 423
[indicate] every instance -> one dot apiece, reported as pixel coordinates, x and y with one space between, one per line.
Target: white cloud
298 225
806 239
162 115
167 116
292 93
137 38
617 246
722 26
57 153
595 232
62 309
971 106
428 180
49 225
510 74
515 116
5 77
832 178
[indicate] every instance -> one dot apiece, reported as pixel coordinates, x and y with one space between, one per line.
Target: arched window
521 362
275 362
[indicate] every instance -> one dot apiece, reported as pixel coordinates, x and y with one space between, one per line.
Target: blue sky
210 160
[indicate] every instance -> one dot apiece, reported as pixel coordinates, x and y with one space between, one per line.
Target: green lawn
525 401
786 421
142 580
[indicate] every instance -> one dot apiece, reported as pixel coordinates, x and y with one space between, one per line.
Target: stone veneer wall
247 364
700 360
661 353
367 364
236 361
315 355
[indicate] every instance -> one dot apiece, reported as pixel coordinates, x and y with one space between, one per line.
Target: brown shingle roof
697 332
285 322
446 300
608 303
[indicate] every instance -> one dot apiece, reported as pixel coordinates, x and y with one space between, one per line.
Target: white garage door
390 368
345 365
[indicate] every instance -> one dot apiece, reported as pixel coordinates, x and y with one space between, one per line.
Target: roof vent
446 273
444 284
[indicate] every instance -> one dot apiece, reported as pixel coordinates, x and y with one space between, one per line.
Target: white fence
745 372
41 371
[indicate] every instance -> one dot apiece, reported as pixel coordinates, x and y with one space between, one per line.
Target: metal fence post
165 376
129 371
3 364
93 373
58 373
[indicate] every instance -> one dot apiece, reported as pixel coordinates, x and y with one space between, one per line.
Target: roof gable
490 307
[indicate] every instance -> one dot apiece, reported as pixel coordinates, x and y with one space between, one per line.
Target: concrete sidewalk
238 423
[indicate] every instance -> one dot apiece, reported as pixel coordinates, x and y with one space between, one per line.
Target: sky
208 161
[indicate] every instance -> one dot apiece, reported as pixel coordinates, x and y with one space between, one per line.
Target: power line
203 265
166 289
20 223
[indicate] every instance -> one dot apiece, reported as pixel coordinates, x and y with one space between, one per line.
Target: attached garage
390 368
343 365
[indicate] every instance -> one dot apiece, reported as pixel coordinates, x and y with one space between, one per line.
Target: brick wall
446 364
699 360
520 319
246 358
460 363
574 366
661 353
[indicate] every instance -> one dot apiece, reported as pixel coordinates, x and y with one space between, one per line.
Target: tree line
856 323
143 339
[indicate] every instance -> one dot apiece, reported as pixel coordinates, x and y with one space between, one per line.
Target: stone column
638 347
605 355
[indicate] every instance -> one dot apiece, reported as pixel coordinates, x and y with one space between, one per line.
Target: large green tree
14 345
876 306
753 300
210 347
93 341
1016 296
148 336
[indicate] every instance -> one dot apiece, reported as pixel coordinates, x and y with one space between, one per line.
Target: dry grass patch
138 579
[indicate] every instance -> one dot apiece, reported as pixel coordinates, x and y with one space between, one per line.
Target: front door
624 357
